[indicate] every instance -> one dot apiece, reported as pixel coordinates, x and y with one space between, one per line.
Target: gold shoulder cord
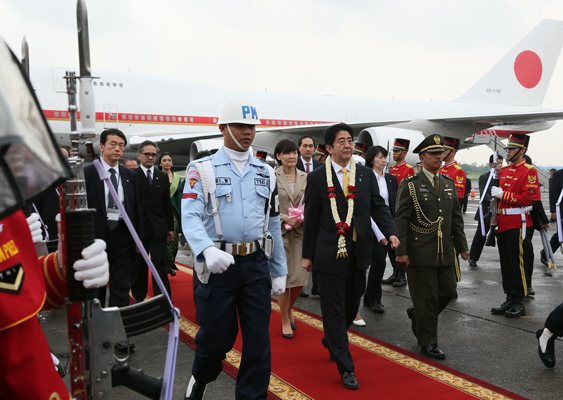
427 225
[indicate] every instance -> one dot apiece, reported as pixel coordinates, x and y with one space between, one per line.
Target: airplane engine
200 145
384 137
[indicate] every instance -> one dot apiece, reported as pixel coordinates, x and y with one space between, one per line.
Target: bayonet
83 39
25 56
86 93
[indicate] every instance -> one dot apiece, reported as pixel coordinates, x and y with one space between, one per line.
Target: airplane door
110 116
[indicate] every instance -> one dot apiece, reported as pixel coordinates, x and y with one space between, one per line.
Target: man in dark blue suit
338 244
108 221
376 159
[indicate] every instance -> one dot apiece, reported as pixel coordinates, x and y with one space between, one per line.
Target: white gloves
217 260
496 192
278 285
35 227
93 269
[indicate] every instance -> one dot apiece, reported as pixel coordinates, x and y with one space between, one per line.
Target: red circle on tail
528 69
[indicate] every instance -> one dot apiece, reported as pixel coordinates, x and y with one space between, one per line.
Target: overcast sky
408 50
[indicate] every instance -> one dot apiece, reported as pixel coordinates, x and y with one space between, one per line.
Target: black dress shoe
377 307
304 293
531 291
472 264
287 335
195 390
543 258
325 345
502 308
547 358
390 280
410 313
293 325
122 346
516 310
433 351
400 281
349 380
315 291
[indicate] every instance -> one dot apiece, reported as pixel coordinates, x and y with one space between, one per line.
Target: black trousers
529 257
340 301
554 321
511 250
121 256
378 263
478 242
156 247
242 291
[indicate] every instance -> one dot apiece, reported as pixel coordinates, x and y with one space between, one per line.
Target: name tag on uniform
261 182
113 214
222 181
423 190
447 190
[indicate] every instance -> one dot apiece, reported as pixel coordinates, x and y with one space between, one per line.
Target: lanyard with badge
113 213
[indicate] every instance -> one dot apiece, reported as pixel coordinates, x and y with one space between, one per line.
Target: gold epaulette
408 166
529 166
457 167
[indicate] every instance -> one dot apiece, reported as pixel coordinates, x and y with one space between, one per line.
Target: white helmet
238 111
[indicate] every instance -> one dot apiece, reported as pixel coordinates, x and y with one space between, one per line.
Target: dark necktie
308 169
111 203
436 184
149 177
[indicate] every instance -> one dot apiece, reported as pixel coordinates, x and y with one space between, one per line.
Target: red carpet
399 373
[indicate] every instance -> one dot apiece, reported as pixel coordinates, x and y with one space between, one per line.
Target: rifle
493 207
94 331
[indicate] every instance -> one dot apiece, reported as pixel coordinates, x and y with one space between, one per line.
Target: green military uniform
430 225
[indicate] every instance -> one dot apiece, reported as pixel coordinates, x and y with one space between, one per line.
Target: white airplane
181 116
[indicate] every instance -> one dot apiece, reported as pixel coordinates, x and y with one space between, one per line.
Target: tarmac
493 348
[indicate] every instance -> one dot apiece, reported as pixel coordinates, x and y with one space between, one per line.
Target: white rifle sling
207 175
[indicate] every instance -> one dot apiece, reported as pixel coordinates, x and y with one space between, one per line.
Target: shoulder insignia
457 167
410 178
506 166
408 165
447 177
529 166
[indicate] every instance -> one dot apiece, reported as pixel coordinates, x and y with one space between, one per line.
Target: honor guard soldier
401 169
519 188
231 221
320 153
430 224
451 169
360 149
261 155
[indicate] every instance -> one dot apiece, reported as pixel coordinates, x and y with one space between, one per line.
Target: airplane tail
522 76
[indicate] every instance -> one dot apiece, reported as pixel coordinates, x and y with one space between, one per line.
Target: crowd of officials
334 210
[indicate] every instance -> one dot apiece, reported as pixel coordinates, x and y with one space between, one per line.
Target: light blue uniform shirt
242 208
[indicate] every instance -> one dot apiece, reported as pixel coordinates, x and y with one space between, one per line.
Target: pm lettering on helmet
249 110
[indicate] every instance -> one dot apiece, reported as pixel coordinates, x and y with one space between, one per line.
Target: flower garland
341 226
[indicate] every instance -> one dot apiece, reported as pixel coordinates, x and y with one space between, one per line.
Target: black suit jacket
316 164
156 206
97 199
320 241
555 187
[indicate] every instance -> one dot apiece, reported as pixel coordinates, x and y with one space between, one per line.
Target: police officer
519 188
451 169
230 218
431 224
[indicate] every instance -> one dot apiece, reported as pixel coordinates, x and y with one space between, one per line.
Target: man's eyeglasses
150 155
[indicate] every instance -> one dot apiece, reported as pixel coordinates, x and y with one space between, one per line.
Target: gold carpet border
285 391
278 387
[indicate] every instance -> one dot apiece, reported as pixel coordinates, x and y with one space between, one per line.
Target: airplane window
285 122
167 119
114 84
136 117
95 83
279 122
162 118
107 84
121 85
130 117
63 114
56 113
142 117
191 119
214 120
149 118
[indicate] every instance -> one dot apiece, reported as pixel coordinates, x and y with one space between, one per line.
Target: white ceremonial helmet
238 111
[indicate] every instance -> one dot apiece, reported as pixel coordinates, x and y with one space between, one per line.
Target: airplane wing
487 121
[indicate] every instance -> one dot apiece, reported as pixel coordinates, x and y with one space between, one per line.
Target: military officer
401 169
451 169
431 224
320 153
231 221
519 188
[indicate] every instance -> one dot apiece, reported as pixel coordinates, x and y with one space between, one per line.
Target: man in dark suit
338 245
555 187
376 159
158 220
307 163
108 222
478 239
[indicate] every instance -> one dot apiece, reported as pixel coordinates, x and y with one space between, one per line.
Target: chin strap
515 154
233 137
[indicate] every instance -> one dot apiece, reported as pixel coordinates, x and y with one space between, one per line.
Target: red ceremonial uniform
27 286
402 170
455 172
521 188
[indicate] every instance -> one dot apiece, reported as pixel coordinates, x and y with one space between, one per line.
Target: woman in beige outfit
291 189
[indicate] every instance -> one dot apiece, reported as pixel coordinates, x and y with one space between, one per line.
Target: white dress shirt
339 174
383 192
119 184
310 162
146 169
